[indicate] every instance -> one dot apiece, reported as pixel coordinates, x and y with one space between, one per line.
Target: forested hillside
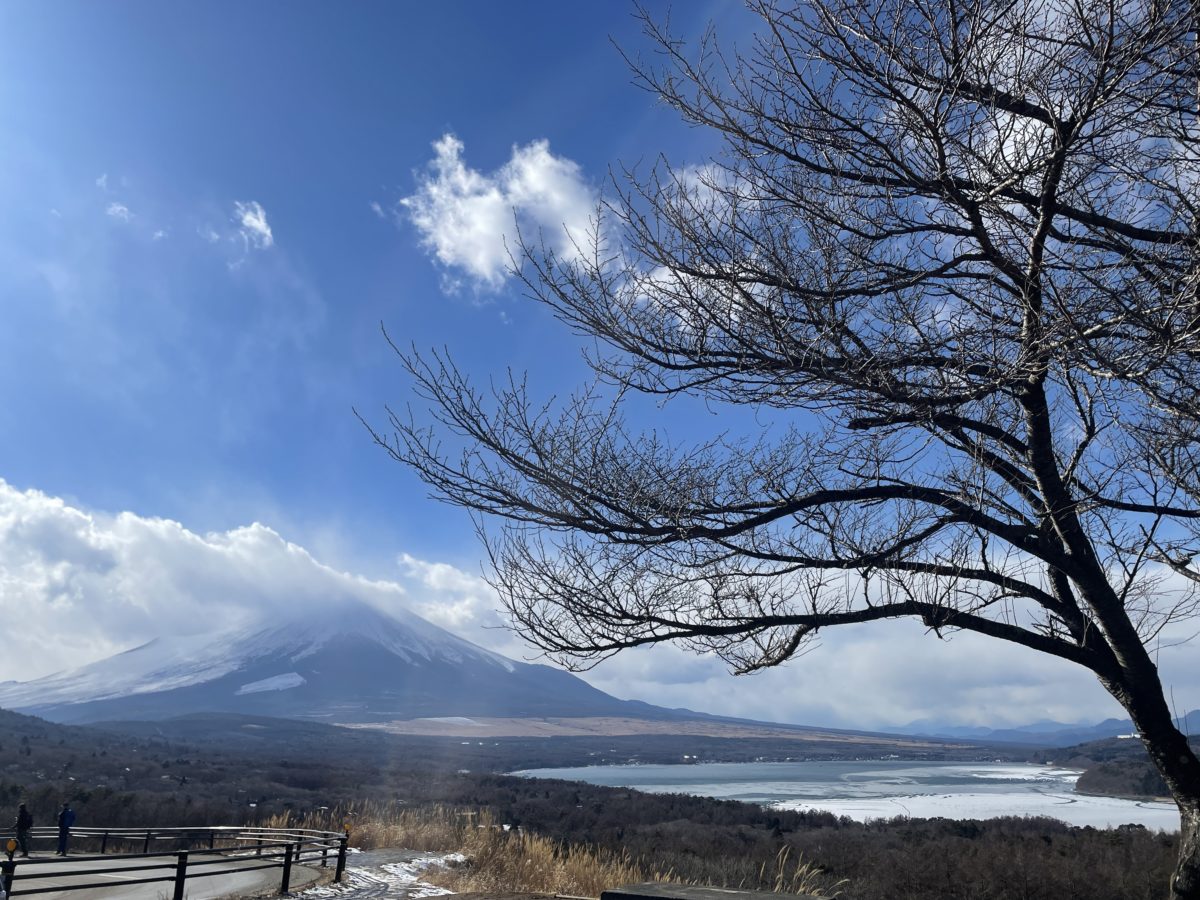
1115 767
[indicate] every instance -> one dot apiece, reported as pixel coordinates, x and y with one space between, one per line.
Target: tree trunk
1175 760
1142 696
1185 882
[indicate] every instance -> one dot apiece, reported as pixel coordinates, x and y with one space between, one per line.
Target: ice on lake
875 789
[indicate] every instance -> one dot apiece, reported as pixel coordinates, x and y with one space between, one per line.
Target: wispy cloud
469 220
119 211
252 224
102 182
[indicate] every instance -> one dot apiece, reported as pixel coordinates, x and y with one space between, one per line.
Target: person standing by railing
66 818
23 823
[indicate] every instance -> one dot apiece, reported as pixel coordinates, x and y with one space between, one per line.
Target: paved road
53 873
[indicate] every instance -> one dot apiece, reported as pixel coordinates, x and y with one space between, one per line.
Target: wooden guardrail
193 852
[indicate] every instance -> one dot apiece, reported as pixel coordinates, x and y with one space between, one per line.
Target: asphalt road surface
61 873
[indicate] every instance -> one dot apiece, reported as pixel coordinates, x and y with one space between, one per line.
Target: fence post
212 836
287 868
146 843
180 874
324 856
341 862
104 843
9 869
258 849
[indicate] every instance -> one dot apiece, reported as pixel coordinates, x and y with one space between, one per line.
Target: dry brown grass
798 877
500 860
373 825
503 861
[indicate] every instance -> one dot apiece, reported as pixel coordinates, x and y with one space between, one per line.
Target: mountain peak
403 633
344 662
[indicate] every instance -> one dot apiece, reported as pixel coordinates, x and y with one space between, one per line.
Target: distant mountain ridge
1044 733
350 663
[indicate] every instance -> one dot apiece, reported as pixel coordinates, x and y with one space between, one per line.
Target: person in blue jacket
66 818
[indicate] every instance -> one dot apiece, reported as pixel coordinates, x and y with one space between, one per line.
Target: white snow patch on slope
274 683
159 665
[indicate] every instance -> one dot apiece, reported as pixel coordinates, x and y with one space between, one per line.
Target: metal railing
194 852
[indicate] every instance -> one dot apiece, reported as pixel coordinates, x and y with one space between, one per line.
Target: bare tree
949 255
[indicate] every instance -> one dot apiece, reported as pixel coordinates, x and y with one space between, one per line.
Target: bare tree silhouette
949 251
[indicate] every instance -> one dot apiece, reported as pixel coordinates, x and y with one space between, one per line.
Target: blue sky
208 211
205 381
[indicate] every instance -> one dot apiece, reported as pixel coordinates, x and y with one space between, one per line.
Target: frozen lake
874 789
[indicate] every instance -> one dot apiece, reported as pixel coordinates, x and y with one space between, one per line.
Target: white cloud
102 182
875 677
460 602
469 219
377 209
159 234
252 224
119 211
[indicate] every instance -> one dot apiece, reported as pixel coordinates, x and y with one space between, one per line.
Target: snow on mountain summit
347 662
403 633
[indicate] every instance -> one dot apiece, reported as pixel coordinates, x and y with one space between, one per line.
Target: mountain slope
350 664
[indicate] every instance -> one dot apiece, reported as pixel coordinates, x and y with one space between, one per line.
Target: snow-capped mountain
352 663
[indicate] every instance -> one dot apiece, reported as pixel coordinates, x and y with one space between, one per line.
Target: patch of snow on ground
454 720
283 682
375 878
409 873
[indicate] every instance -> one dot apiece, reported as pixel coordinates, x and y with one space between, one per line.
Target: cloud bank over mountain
80 585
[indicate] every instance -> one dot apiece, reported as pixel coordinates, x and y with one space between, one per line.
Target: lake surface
874 789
